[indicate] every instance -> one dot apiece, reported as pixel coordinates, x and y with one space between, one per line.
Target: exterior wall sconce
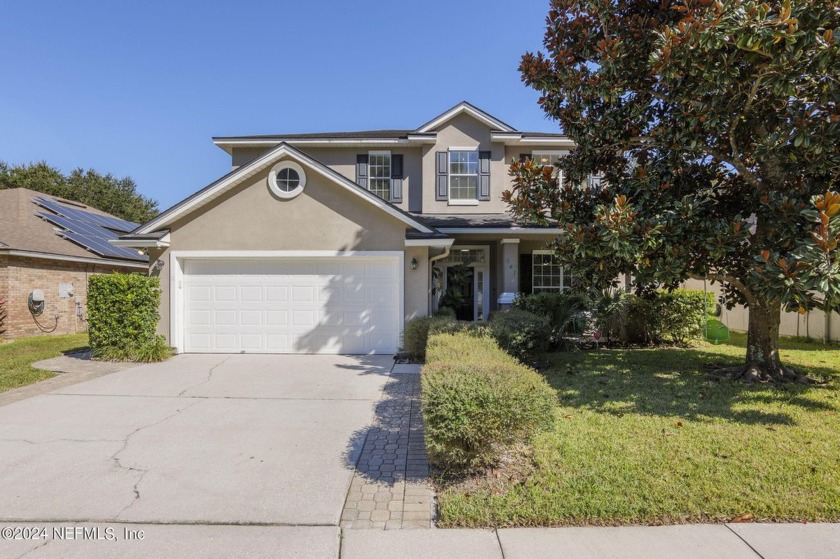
413 263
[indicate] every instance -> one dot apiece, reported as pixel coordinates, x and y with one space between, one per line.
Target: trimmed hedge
417 331
663 316
521 333
123 317
681 315
477 400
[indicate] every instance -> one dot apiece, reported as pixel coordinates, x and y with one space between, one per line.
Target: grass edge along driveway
647 437
16 357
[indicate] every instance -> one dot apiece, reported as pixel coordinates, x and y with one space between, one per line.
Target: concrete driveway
199 439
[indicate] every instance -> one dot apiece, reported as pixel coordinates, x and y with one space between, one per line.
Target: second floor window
546 157
463 175
550 158
379 171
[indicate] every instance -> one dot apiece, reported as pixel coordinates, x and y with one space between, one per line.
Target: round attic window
286 179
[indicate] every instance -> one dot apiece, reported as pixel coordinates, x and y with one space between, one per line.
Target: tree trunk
763 361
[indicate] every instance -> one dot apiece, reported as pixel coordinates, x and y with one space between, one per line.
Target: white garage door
292 305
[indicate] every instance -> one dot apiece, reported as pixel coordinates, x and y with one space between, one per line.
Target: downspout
432 261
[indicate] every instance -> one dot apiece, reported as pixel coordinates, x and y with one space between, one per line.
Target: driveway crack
209 376
116 458
28 551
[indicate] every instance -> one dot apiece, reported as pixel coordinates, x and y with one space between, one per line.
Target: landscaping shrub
681 315
445 312
609 312
662 316
415 336
477 400
123 317
521 333
639 321
564 312
417 332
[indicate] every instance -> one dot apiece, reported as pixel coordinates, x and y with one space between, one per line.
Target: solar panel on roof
102 247
89 230
77 226
113 223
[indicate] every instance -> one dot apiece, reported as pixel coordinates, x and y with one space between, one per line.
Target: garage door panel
292 305
276 293
276 318
251 293
224 293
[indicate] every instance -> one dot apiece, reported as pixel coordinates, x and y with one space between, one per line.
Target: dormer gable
461 108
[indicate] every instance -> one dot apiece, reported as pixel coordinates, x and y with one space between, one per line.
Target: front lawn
646 437
16 357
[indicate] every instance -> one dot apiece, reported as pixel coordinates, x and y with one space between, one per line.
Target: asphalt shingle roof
21 229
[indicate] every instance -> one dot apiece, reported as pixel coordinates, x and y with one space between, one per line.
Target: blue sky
138 88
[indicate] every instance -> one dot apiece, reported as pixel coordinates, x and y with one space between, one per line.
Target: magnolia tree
716 129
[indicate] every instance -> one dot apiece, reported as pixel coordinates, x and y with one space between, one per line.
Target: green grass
17 357
646 437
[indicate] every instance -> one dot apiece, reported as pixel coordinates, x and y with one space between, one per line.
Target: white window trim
553 153
461 201
464 202
390 169
543 288
272 179
464 148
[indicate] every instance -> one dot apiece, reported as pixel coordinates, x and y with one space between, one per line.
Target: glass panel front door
460 281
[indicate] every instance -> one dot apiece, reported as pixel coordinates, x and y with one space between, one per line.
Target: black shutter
362 170
442 175
526 269
396 178
484 175
524 156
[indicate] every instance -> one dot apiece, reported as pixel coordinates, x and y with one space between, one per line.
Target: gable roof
419 136
465 107
218 187
23 232
357 135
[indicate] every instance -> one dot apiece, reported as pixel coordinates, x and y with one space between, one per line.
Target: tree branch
733 281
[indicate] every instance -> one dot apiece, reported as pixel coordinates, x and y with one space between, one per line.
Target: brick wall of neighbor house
3 287
20 276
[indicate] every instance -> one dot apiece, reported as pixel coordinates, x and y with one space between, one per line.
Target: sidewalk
701 541
733 541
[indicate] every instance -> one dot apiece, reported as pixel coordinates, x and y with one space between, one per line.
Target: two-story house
328 243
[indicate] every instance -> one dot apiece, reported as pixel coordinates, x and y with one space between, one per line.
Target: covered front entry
345 304
464 281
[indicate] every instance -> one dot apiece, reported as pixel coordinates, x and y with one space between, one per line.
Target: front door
460 280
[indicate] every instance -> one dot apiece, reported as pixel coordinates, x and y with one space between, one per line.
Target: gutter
67 258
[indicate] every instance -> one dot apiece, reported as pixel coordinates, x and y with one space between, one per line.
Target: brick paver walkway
391 488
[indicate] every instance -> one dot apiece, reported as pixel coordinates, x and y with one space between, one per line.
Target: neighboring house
50 247
326 243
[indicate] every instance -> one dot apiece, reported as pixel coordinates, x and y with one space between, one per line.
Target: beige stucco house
326 243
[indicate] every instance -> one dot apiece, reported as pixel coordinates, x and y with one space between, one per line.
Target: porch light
413 263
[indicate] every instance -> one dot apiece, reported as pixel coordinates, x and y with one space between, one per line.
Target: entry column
510 272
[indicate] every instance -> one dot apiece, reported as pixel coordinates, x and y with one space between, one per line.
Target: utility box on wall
65 290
